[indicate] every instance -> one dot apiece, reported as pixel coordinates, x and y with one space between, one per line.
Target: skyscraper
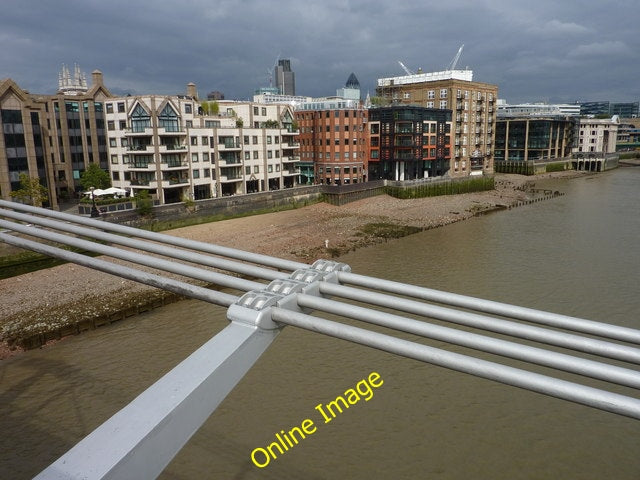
285 78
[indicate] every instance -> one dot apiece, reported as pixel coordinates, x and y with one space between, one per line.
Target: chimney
96 77
192 91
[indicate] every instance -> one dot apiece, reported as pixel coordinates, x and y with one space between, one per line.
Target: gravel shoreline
294 234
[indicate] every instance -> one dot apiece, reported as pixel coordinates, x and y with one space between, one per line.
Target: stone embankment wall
222 206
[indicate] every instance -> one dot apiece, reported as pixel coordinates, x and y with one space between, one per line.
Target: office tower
285 78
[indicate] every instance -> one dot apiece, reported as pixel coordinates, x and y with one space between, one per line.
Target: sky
535 51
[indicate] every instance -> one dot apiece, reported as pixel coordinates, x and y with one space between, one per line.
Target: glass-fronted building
522 139
409 142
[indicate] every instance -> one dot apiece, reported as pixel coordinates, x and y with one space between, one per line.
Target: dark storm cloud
544 50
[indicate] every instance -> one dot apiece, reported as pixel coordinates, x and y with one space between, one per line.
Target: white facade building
170 147
537 109
597 135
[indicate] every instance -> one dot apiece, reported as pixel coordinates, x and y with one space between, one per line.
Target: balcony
139 131
171 164
229 145
291 172
139 148
172 148
230 178
231 162
141 165
143 182
174 180
170 130
291 158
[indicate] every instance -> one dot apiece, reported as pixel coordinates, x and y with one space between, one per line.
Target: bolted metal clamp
254 307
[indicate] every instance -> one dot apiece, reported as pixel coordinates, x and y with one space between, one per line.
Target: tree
210 108
31 191
95 177
144 203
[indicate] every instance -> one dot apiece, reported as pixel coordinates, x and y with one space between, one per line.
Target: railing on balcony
229 162
230 178
141 164
140 182
138 148
175 164
146 130
173 146
176 180
170 130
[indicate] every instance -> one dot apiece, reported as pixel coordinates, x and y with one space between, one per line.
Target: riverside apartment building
177 148
333 140
473 106
52 137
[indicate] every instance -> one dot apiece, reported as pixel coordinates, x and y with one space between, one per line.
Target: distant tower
351 90
285 78
72 85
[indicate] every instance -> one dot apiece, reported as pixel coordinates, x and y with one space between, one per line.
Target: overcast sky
542 50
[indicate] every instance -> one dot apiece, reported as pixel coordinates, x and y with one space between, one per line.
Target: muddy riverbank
68 299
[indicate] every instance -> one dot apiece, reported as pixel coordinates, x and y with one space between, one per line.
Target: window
205 157
194 157
111 125
255 110
114 159
205 140
255 155
140 119
116 176
168 119
194 140
278 167
188 109
269 154
206 172
443 104
196 173
270 168
113 142
264 110
109 107
268 139
246 140
123 125
254 140
247 155
443 93
120 107
431 94
256 169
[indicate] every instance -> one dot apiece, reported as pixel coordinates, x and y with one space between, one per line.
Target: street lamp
94 209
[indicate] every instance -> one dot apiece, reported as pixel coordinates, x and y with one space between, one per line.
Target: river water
575 254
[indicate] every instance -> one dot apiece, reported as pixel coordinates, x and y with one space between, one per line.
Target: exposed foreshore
61 298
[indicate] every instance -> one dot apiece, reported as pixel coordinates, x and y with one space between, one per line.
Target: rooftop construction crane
408 72
454 62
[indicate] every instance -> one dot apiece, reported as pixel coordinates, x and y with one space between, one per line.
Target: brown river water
576 254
